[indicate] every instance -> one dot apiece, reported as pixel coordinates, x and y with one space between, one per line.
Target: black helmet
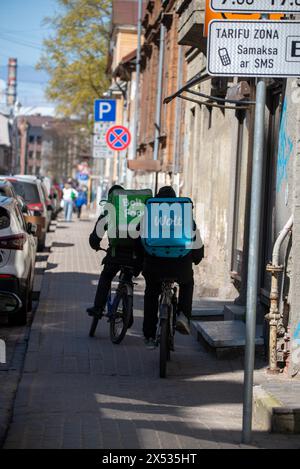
166 192
114 188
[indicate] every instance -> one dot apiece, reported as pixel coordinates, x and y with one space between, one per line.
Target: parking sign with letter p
105 110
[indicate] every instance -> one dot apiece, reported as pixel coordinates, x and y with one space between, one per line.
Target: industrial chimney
11 95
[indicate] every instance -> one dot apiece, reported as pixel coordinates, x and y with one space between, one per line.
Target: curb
16 367
270 415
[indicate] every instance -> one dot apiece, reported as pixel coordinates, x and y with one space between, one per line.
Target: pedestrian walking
81 200
69 195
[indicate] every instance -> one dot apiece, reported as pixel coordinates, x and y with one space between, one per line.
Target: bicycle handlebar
102 249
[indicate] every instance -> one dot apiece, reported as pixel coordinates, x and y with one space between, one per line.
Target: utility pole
254 249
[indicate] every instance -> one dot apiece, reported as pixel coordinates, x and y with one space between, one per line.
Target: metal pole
159 97
137 79
253 262
178 113
159 91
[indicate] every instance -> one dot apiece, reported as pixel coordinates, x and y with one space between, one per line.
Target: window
28 191
30 155
39 140
38 155
31 139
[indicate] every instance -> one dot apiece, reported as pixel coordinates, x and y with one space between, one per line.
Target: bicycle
166 324
119 307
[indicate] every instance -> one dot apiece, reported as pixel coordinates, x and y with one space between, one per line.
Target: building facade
196 133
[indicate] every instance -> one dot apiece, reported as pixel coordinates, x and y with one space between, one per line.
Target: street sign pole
253 264
254 249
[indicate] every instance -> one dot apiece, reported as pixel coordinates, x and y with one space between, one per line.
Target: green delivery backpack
129 207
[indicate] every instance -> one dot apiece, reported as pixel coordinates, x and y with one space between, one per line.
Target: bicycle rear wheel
164 352
122 311
93 326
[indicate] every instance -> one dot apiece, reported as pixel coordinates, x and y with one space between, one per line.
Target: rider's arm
198 250
94 239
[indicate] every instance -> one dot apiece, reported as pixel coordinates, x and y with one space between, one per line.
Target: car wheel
41 243
20 318
29 302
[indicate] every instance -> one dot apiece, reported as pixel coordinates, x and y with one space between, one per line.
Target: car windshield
28 191
3 192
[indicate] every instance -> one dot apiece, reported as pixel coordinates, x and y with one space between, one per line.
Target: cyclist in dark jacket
180 269
112 262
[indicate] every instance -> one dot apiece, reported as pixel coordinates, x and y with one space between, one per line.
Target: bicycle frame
166 308
123 283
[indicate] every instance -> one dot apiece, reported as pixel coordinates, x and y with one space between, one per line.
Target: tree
76 54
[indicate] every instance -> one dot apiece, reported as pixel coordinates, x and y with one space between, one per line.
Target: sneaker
182 324
150 343
94 312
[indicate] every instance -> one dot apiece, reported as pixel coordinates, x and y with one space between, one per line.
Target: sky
21 36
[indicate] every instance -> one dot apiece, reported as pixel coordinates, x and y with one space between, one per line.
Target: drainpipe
274 315
178 113
159 97
138 79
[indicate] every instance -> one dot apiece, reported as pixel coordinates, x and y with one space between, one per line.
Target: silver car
17 258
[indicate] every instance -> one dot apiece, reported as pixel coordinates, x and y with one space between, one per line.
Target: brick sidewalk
78 392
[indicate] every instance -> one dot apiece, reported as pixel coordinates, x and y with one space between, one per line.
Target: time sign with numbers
257 6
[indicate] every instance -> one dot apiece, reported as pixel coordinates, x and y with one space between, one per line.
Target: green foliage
75 56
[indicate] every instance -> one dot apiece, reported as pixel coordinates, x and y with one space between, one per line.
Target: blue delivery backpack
168 227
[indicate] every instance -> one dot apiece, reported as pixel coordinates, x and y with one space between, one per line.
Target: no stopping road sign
118 138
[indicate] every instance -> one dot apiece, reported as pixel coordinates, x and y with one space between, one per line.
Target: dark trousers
152 292
79 209
107 275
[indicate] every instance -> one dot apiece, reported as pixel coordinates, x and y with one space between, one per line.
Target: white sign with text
100 147
256 6
254 48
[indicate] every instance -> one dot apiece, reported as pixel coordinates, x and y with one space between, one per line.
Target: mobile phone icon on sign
224 56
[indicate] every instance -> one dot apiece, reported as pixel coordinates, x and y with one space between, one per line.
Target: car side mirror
32 228
22 204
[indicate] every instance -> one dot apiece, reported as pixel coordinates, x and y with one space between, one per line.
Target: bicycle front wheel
164 352
121 317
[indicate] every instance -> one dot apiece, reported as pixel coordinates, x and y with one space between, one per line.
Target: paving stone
78 392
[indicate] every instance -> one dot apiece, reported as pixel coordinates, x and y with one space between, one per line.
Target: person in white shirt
69 195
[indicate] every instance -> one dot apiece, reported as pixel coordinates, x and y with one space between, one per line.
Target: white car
30 188
17 258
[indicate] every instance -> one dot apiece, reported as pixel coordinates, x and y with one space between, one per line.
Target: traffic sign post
259 49
254 48
253 258
256 6
105 111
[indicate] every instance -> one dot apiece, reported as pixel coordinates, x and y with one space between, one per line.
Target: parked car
56 196
7 190
17 258
49 205
30 188
53 193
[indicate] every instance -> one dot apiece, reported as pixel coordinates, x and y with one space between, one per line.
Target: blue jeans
68 210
